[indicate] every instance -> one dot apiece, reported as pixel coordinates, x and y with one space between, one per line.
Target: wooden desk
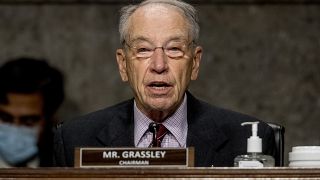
160 173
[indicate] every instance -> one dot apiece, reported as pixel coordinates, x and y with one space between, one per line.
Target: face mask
17 143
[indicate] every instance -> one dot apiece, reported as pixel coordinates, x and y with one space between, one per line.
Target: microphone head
153 127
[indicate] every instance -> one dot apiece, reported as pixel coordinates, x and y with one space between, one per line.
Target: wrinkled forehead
157 21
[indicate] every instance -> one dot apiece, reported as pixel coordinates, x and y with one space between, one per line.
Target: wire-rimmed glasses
173 49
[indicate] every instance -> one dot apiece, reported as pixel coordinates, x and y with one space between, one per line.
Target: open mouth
159 85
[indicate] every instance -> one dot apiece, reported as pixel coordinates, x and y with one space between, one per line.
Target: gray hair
188 11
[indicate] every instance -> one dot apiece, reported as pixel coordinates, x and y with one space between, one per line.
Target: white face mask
17 143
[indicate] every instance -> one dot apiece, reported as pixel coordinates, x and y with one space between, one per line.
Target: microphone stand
153 128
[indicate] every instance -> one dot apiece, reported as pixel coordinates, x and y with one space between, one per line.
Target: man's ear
121 60
196 62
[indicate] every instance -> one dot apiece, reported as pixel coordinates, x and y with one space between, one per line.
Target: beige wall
261 60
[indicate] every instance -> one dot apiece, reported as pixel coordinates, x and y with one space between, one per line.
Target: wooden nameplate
88 157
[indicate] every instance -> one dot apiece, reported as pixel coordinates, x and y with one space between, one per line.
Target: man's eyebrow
31 116
35 116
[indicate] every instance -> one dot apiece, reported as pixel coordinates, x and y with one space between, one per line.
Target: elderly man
159 58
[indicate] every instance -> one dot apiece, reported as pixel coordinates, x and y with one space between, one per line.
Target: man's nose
159 60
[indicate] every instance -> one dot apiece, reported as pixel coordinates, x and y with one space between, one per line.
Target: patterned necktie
162 131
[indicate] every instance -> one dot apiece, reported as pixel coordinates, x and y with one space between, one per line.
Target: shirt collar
176 123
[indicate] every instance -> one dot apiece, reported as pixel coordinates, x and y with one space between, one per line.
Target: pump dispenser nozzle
254 143
254 156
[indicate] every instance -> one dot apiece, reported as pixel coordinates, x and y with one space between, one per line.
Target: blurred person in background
30 93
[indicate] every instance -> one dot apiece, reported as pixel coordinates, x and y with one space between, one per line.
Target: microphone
153 128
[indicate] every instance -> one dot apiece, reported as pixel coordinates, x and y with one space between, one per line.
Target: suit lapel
203 133
120 131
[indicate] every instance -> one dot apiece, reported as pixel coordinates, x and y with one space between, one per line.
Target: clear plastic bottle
254 160
254 157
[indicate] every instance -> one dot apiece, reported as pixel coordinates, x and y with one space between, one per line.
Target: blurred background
261 57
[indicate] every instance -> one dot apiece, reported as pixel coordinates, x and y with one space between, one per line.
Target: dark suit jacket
215 133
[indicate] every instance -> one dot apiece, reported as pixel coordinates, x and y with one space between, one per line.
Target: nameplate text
128 157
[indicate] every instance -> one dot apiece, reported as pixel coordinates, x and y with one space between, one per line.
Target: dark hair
28 75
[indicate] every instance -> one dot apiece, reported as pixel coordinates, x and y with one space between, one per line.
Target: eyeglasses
173 49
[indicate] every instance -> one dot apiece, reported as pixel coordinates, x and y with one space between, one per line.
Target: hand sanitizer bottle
254 157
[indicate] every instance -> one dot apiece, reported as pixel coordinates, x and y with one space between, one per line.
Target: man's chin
159 104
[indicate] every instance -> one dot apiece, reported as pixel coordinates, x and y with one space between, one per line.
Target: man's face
23 110
159 81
